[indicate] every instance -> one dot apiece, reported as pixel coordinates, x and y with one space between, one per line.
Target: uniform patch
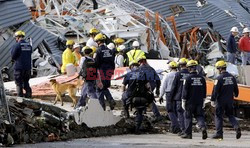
184 81
215 82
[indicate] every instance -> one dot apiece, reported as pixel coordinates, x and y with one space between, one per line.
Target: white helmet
234 29
76 45
111 46
121 48
136 44
246 30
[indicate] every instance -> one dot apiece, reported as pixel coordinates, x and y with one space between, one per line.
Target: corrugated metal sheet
13 12
37 34
185 21
53 44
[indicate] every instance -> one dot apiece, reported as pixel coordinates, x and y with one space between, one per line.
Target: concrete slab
93 115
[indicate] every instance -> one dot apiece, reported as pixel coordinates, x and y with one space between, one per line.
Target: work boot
112 104
204 134
125 113
181 133
216 136
175 130
238 133
186 136
157 118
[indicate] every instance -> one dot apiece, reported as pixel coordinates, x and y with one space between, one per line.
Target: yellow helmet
19 33
70 42
119 41
93 48
221 64
173 64
99 37
93 31
192 63
87 48
133 62
183 61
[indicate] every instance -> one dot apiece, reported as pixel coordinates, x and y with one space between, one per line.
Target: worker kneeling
193 97
138 93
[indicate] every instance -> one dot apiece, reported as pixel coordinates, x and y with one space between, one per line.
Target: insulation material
215 52
164 50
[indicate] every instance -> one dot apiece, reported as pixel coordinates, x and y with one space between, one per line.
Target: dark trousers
197 112
180 114
139 117
88 90
100 95
22 78
172 113
220 110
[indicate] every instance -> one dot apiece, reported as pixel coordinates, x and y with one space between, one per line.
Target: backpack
88 70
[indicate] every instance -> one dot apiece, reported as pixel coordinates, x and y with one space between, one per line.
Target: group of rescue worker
184 87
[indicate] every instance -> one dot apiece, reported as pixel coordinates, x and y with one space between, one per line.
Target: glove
204 104
212 103
161 100
183 104
157 92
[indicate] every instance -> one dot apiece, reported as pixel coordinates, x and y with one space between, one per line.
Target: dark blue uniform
225 88
21 55
131 80
155 82
176 94
105 64
194 93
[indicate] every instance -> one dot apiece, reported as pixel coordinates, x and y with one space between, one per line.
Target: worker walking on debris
88 73
105 65
176 92
225 88
170 106
91 42
138 93
135 53
232 46
154 81
68 56
119 59
21 57
193 100
244 46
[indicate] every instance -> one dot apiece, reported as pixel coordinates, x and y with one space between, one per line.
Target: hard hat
120 48
99 37
19 33
234 29
93 31
70 42
87 50
191 63
183 61
133 62
173 64
76 45
111 46
93 48
136 44
246 30
119 41
221 64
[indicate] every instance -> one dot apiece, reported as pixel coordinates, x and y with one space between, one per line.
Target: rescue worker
244 46
154 81
89 77
224 91
68 56
118 41
193 100
93 51
91 42
119 59
21 57
170 106
136 93
77 54
135 53
176 92
105 65
231 45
